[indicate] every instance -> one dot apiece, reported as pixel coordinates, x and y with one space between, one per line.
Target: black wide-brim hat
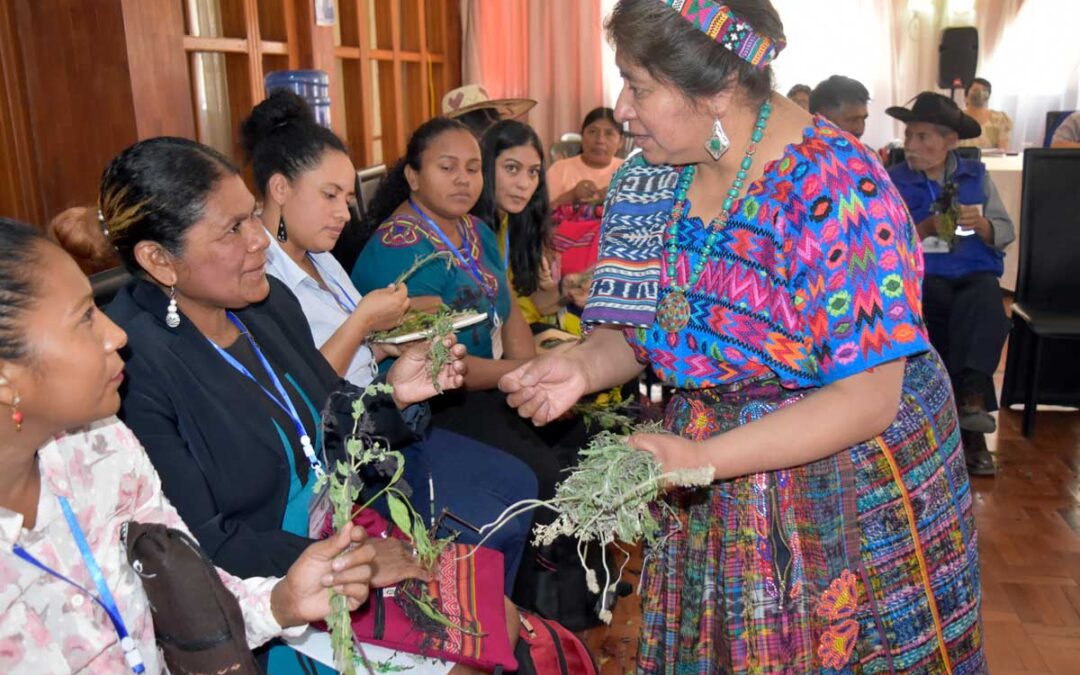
937 109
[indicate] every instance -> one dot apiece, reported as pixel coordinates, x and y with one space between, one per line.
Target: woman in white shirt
307 181
60 370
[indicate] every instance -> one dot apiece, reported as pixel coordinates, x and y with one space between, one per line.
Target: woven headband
720 24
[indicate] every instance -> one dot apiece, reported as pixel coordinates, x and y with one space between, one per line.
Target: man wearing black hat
964 228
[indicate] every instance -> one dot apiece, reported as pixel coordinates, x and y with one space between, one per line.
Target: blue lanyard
506 250
104 596
931 185
465 259
285 403
344 301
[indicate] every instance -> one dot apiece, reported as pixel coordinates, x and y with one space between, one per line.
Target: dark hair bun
278 111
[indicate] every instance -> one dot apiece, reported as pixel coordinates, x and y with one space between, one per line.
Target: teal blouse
283 660
403 238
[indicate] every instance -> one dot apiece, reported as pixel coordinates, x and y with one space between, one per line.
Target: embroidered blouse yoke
816 276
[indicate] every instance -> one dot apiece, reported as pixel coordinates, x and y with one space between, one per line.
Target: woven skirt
862 562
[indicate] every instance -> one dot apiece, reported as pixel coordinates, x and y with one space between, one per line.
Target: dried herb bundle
607 498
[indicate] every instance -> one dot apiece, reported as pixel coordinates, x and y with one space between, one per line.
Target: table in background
1007 173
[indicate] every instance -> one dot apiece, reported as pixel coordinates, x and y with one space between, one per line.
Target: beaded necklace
673 314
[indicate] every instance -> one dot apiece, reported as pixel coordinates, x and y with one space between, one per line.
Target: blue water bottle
311 85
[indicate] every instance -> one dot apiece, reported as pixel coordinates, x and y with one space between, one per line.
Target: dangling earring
282 235
172 317
718 143
16 414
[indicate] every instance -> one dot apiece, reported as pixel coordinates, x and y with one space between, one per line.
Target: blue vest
970 254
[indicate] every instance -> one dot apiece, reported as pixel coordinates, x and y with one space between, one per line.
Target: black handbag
197 620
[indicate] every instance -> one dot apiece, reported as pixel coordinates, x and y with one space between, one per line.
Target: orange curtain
546 50
992 18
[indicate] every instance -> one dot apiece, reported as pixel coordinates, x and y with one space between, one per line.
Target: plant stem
419 262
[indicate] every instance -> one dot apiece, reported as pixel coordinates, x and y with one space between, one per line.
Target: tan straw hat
470 97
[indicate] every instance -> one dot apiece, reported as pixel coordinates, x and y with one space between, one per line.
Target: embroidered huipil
863 561
47 626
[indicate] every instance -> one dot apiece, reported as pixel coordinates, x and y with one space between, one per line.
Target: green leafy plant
439 354
418 321
344 489
436 327
948 208
608 411
607 498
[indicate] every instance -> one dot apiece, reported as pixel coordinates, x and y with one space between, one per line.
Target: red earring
16 414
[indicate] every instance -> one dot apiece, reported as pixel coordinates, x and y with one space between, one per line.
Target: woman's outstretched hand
411 373
302 597
545 388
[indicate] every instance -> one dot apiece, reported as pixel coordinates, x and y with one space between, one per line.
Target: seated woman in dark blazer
225 384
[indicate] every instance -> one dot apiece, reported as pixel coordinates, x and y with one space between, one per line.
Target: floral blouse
46 625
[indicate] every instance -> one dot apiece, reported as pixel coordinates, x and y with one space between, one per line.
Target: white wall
891 46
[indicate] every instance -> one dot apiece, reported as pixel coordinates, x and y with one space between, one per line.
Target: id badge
319 513
496 336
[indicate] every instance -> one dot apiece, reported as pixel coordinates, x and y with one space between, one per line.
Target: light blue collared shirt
323 306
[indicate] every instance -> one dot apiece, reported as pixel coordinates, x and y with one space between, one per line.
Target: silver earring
172 317
718 143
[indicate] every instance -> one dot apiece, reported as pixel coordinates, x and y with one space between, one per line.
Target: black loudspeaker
958 56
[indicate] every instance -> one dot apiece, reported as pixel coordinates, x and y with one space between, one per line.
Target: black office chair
1054 118
1043 365
106 283
369 180
354 236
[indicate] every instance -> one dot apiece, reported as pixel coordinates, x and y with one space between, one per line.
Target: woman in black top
225 385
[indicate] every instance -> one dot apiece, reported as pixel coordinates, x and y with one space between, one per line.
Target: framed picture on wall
325 13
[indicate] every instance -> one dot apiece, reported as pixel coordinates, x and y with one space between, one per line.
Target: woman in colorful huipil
763 264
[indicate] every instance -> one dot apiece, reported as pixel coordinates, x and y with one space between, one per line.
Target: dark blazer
221 462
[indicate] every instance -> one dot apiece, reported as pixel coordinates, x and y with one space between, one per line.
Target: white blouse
46 625
323 306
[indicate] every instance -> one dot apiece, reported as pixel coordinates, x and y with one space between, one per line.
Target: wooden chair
1042 365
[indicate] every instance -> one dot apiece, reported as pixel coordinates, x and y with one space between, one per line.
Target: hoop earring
172 317
282 235
718 142
16 414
